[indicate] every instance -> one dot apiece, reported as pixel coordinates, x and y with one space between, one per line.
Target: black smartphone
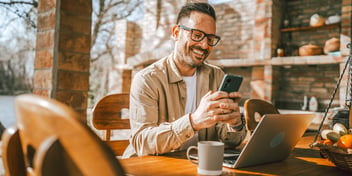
231 83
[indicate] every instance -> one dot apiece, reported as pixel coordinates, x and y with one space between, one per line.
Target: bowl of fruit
336 145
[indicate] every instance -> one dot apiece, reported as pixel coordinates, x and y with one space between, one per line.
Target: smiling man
174 102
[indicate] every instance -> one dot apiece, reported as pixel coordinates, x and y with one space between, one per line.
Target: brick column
120 77
257 82
345 38
346 20
263 32
263 38
63 52
128 38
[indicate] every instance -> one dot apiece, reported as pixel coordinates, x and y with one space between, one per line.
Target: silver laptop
273 140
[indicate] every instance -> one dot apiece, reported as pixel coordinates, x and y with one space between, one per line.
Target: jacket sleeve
150 135
225 134
230 137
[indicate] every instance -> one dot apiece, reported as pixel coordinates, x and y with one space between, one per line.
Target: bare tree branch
107 14
23 9
33 3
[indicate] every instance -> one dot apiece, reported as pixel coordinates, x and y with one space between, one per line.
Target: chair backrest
106 116
253 107
49 139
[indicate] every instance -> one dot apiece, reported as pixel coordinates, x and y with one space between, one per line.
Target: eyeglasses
198 35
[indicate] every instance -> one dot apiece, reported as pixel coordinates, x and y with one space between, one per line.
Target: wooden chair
107 116
49 139
253 107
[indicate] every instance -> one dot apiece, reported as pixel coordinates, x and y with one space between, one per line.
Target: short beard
193 65
191 62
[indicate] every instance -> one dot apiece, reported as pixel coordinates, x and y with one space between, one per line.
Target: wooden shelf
307 60
239 62
329 26
278 61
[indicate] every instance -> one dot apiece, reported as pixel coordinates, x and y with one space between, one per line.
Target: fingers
236 96
222 107
233 118
219 111
219 103
221 95
216 106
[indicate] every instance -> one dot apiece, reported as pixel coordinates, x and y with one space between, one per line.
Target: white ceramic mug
210 157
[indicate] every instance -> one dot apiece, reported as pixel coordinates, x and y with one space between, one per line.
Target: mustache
206 52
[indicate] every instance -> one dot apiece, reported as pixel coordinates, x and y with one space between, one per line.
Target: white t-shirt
191 104
191 84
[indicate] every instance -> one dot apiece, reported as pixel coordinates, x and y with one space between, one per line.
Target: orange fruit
328 142
345 141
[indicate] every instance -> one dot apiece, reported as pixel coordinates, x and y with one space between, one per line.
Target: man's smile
199 53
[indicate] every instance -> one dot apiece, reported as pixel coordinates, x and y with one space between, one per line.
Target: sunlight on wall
218 1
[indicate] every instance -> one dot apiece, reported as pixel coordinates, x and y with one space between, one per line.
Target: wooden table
302 161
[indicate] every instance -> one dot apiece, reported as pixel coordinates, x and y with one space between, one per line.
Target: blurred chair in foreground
255 107
107 116
49 139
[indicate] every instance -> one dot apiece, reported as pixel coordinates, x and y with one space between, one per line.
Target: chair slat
107 116
253 106
49 139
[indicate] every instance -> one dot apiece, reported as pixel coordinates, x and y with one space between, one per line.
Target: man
174 102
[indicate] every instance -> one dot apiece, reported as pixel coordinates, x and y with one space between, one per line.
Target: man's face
189 52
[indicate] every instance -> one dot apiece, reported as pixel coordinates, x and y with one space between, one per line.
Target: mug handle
194 161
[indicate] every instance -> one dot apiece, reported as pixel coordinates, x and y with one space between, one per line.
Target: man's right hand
216 106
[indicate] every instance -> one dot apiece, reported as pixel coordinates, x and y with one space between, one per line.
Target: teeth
198 52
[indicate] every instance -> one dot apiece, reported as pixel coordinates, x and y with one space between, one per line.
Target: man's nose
204 43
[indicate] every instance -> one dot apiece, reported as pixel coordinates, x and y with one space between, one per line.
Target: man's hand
217 106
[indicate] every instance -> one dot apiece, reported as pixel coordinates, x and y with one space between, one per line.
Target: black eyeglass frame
204 35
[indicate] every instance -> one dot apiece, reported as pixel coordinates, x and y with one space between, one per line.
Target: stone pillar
63 52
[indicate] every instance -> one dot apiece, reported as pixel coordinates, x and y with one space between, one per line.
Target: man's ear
175 32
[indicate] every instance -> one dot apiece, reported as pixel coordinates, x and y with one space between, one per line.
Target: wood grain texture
253 107
302 161
50 139
106 116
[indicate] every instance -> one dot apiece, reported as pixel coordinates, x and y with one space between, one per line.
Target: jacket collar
174 74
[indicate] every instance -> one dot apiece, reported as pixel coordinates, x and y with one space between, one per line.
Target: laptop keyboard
230 157
230 160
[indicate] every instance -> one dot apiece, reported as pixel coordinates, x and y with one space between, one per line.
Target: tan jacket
157 103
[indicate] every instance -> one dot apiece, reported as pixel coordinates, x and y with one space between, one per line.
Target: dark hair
200 7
